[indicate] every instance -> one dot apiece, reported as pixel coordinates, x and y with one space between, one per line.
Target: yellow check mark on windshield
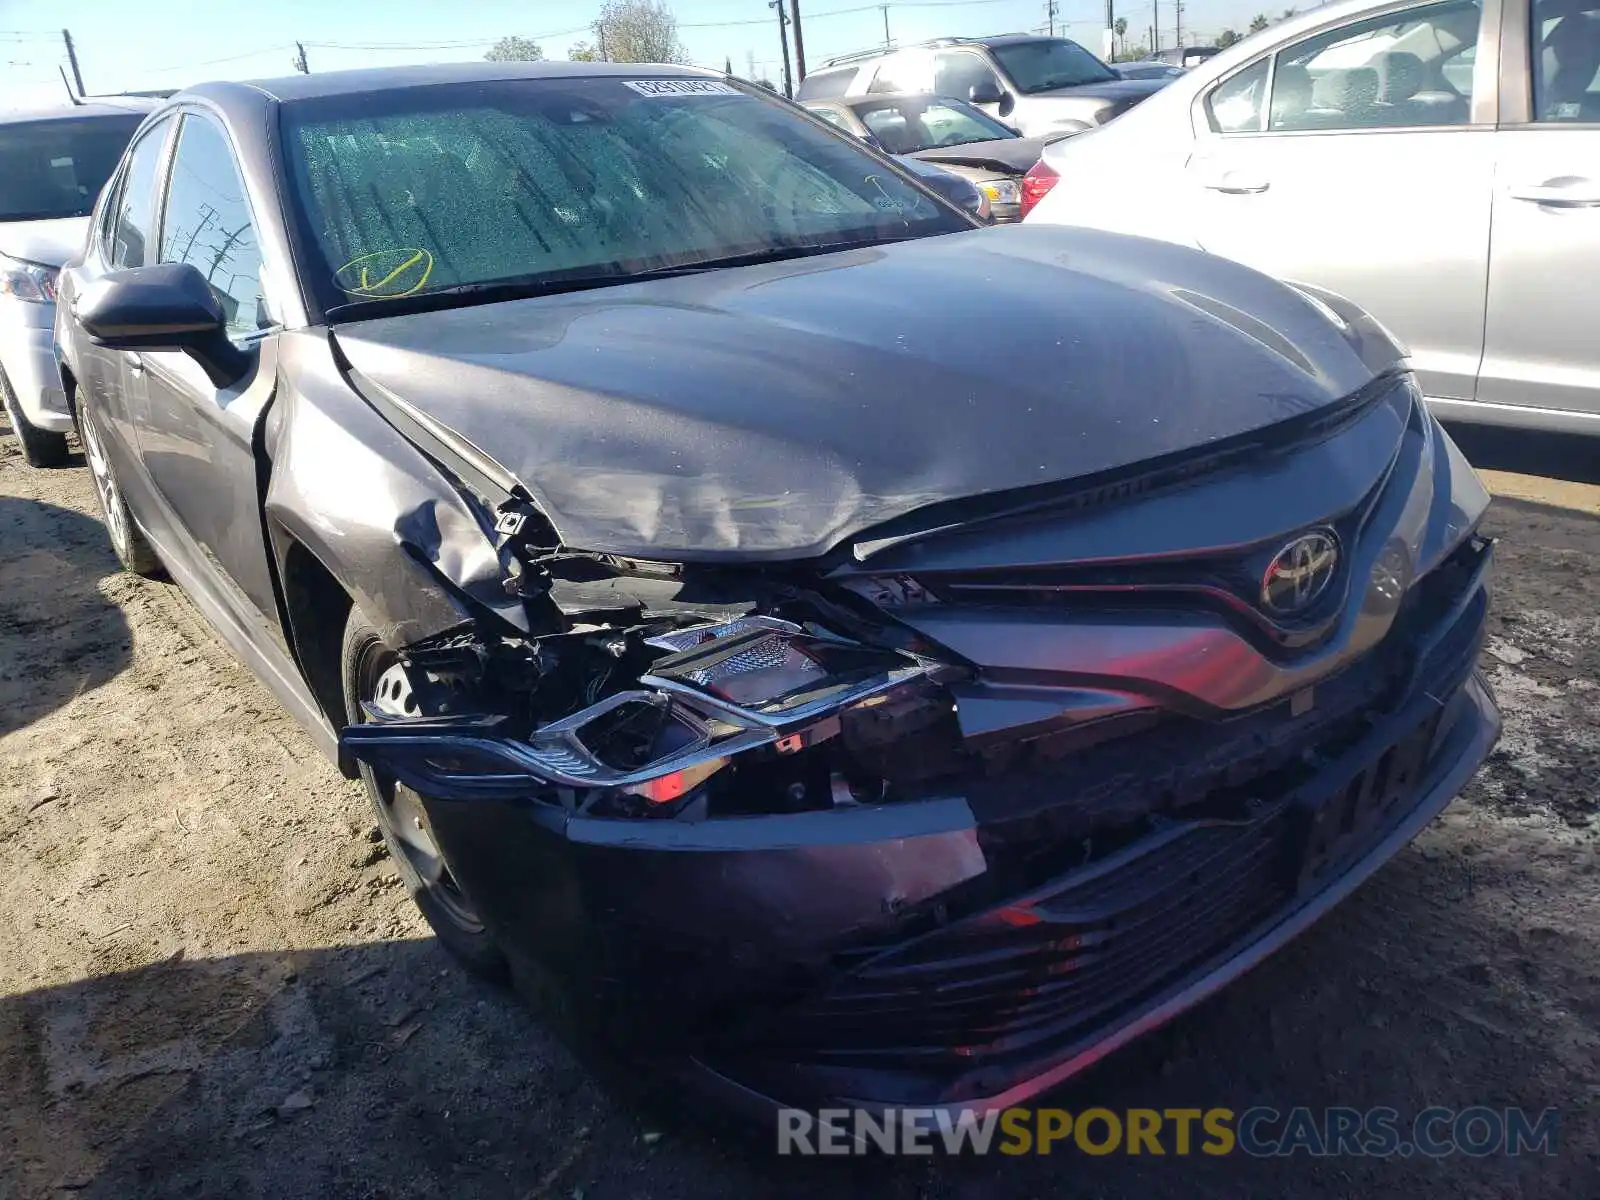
367 285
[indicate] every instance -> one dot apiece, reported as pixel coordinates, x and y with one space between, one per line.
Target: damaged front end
941 820
749 716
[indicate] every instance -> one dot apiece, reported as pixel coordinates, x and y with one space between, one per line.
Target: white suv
1039 86
52 166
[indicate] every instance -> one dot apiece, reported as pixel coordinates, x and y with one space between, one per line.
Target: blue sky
125 45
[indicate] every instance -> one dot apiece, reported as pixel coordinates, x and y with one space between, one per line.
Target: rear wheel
40 447
373 675
132 550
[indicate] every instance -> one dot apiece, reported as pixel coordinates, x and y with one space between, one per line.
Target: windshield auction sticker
680 87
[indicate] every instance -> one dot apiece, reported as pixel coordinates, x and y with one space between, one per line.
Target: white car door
1353 158
1541 349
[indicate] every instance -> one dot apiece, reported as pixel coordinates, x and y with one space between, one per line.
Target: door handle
1234 183
1558 197
135 362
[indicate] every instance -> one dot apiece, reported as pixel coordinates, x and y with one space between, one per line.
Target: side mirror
165 307
987 92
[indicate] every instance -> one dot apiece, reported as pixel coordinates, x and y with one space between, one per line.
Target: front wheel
40 447
373 675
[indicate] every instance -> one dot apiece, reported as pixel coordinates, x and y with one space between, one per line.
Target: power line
473 43
211 62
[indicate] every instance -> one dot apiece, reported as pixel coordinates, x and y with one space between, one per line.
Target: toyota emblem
1300 573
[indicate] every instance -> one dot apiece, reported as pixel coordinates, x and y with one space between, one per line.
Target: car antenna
71 95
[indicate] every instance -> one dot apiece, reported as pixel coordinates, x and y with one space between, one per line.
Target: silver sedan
1438 164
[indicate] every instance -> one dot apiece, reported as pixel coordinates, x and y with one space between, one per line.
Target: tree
582 52
515 49
1226 38
1259 22
1121 30
1287 13
727 65
638 31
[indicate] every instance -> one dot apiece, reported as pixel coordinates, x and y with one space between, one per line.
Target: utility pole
1050 10
1177 23
72 57
67 83
300 59
1155 28
887 40
783 40
1108 39
799 41
600 35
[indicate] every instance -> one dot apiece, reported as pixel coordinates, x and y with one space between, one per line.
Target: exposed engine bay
687 713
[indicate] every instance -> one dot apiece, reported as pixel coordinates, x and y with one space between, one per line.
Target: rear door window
826 85
133 232
1236 105
908 71
957 72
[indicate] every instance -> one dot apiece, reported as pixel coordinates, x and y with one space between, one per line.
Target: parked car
1146 70
53 164
948 134
794 658
1433 162
1038 86
1184 57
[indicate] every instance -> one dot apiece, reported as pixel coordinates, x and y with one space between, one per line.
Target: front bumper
978 947
27 355
1469 732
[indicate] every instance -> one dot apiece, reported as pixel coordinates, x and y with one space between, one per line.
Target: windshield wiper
525 287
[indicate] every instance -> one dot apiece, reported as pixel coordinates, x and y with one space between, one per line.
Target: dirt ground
211 983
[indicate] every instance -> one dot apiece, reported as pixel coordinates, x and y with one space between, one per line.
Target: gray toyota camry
831 650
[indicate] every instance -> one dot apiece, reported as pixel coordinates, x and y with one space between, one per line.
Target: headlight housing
31 282
751 689
1001 191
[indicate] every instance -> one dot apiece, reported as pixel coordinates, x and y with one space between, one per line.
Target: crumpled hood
773 411
1110 89
51 243
1015 155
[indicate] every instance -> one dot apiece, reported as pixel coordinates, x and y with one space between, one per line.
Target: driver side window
208 224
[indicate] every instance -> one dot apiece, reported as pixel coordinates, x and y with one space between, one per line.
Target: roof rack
930 44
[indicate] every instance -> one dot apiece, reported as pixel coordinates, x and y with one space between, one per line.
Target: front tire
133 552
40 447
372 675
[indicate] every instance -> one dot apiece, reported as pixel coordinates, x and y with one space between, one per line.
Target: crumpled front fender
415 552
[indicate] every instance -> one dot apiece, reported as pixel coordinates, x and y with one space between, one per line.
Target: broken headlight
753 690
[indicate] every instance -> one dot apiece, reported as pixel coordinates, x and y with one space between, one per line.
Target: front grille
1013 982
1042 970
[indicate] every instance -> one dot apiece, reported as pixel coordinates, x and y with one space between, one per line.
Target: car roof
1009 39
874 98
379 79
98 106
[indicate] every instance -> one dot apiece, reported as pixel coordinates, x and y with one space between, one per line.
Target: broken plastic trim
469 757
